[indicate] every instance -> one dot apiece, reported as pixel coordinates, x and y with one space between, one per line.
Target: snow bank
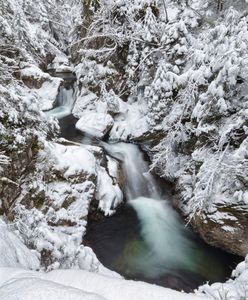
13 253
69 283
34 288
235 288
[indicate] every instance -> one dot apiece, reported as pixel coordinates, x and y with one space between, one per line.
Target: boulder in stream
95 124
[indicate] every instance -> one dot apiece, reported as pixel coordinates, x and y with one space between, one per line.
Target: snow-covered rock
95 124
56 210
60 64
44 85
235 288
108 193
55 200
71 160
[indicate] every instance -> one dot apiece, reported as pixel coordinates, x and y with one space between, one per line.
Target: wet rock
225 228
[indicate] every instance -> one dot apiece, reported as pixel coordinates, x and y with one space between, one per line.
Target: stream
146 239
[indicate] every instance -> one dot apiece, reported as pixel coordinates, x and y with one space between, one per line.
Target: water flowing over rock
155 245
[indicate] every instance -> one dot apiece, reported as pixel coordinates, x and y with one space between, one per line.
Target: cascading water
166 244
147 240
65 101
139 181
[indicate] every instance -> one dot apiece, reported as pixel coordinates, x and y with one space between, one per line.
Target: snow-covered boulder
85 102
44 85
132 125
95 124
60 64
71 160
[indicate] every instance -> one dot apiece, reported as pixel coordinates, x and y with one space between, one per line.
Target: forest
123 149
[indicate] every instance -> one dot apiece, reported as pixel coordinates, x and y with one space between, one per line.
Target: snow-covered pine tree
159 94
167 81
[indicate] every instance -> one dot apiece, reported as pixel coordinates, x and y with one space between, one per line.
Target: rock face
95 124
46 189
55 199
213 190
226 228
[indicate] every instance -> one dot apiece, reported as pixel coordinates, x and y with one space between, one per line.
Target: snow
35 288
132 123
73 159
48 91
17 284
108 194
235 288
95 124
85 101
113 166
60 64
13 253
172 12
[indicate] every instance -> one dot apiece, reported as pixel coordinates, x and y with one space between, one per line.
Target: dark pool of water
117 239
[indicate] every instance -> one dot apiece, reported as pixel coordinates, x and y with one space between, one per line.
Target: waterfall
65 102
168 247
139 181
165 237
65 97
